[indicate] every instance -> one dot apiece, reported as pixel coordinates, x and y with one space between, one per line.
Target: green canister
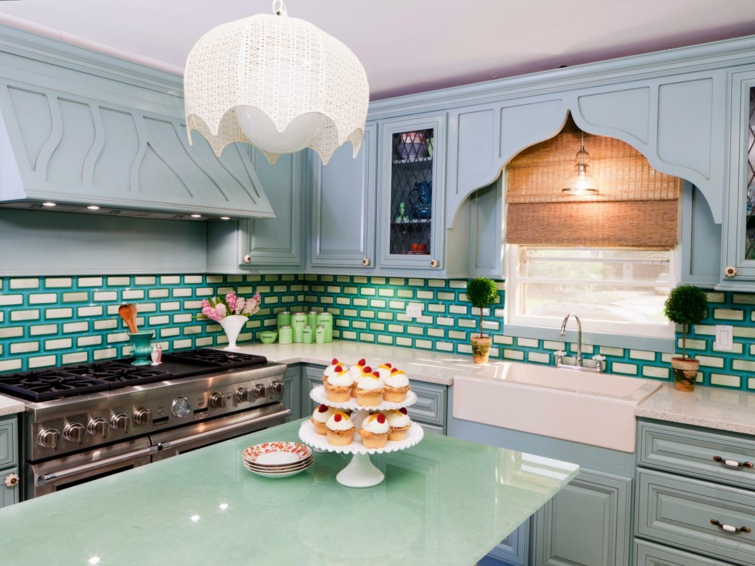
320 334
307 335
285 335
325 319
298 322
312 319
284 318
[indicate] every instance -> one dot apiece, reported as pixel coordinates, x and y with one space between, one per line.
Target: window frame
642 336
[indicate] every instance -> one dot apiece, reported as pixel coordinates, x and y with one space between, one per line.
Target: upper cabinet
79 128
343 207
411 180
738 270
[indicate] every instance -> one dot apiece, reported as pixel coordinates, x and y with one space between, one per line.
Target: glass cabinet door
740 217
411 193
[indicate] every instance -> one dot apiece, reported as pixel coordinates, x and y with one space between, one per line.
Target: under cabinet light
48 203
225 217
93 207
196 216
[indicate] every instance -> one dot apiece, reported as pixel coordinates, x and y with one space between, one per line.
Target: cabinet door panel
311 377
514 548
8 494
651 554
586 523
278 241
343 206
292 391
412 193
8 441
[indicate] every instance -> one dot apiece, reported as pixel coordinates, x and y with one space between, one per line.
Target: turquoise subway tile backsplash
48 321
61 320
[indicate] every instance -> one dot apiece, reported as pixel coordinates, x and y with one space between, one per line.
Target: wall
49 321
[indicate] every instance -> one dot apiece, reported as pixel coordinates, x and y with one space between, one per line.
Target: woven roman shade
636 206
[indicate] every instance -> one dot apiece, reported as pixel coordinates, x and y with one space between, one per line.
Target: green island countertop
443 502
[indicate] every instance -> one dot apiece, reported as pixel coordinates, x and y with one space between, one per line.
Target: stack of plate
278 459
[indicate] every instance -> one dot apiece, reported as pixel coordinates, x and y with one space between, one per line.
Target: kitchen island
444 502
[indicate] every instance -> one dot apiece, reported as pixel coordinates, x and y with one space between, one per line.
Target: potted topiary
686 305
482 293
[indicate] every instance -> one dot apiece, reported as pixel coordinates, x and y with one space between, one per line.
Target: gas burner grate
119 374
216 358
43 385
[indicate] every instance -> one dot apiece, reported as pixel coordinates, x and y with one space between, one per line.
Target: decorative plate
277 453
318 395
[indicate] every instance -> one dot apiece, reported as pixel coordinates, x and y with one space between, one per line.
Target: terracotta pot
685 373
480 348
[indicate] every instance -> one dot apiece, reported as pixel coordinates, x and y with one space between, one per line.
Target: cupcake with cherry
374 431
320 418
357 371
399 423
340 429
396 386
331 369
370 390
338 386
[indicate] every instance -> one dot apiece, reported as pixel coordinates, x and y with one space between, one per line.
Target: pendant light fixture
278 83
581 183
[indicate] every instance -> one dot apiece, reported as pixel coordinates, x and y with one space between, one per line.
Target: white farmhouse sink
590 408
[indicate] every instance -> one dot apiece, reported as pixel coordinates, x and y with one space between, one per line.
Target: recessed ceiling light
48 203
93 207
196 216
225 217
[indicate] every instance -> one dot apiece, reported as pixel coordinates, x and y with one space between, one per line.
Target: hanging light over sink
278 83
581 183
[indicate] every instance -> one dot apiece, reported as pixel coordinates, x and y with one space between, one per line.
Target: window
615 291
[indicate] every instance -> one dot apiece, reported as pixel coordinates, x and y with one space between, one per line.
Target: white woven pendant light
278 83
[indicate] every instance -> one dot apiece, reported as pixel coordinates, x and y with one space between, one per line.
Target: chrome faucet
579 335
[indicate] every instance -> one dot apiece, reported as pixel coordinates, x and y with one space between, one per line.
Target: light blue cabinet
586 523
700 241
9 494
411 180
739 222
292 391
343 207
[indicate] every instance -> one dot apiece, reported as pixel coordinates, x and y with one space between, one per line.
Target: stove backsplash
48 321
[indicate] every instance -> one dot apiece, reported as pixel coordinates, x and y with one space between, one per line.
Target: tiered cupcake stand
360 472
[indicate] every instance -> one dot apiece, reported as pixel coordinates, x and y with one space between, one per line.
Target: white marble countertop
709 407
9 406
420 365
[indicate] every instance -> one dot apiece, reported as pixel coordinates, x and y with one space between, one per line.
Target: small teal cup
142 347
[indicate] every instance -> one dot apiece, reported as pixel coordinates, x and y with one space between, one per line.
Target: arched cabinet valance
677 122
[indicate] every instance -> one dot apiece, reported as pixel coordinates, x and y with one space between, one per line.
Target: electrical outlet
414 310
724 338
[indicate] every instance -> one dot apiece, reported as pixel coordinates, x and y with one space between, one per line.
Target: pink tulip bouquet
218 308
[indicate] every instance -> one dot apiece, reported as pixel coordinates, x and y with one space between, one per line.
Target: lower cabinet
588 522
9 489
9 494
292 391
513 550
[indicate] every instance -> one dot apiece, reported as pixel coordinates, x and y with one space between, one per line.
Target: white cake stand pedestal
360 472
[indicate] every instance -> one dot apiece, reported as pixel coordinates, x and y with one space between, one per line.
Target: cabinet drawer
679 511
651 554
8 442
430 407
698 454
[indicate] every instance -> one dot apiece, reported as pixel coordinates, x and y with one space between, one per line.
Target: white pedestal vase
232 326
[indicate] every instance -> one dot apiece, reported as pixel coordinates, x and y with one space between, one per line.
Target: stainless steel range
87 421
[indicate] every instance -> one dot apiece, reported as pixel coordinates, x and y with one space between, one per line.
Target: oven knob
142 416
48 438
74 432
119 422
259 391
276 388
241 395
217 400
98 427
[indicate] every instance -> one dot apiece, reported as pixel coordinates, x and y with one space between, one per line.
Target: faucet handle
560 354
599 362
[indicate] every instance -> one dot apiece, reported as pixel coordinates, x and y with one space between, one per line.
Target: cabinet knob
433 263
730 271
11 480
247 258
366 262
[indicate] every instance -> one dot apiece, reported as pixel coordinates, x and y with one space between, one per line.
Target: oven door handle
63 474
187 439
